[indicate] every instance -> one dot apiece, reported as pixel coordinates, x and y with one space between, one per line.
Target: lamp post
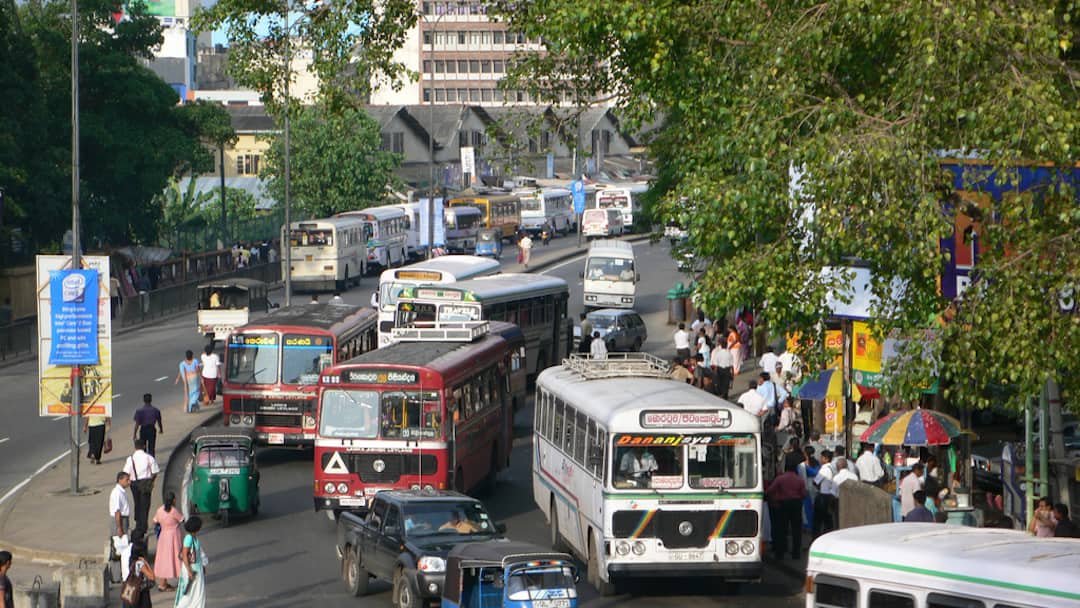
286 242
431 128
76 246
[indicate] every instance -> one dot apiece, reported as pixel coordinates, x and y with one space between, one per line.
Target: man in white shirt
143 470
720 362
768 360
843 473
869 466
752 401
825 502
636 463
908 486
597 348
119 507
211 365
682 342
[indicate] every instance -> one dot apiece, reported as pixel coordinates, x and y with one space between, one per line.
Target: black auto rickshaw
501 573
224 475
225 304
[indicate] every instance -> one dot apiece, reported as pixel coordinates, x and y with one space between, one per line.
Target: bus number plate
276 438
685 556
352 502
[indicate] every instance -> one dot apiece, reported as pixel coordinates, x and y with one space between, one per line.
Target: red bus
432 411
272 367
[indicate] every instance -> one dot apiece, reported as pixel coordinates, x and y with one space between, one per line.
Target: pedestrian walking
144 577
920 513
735 347
525 244
720 363
189 374
120 506
704 347
211 369
191 588
808 470
787 427
743 326
7 592
586 326
96 428
825 503
148 424
682 342
597 348
143 470
167 553
785 495
768 361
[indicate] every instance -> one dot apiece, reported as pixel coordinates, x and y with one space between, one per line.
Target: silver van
620 329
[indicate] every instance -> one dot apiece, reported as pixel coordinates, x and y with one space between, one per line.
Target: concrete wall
862 504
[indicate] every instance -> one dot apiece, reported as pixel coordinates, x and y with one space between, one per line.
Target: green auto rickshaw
224 476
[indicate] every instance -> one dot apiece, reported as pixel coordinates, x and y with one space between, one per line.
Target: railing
18 338
618 365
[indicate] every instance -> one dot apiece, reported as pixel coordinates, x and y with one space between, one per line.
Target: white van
610 276
602 222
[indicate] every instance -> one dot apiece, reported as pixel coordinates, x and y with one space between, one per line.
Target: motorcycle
545 235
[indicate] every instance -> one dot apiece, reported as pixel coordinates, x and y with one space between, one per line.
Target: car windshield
465 518
304 356
728 462
655 467
553 582
350 414
602 322
610 269
252 359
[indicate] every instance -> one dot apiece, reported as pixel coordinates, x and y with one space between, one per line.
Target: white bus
610 277
536 303
326 254
624 197
413 249
909 565
643 476
551 206
443 269
386 233
462 225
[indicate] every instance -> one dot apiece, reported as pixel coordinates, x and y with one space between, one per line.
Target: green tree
336 162
857 98
210 124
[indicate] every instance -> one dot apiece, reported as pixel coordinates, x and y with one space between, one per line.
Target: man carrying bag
143 469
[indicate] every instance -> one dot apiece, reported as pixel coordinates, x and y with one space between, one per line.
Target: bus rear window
311 238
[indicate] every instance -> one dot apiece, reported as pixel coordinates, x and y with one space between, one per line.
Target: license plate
276 438
685 556
561 603
352 502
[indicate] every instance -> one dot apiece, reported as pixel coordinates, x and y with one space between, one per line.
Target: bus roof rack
464 331
618 365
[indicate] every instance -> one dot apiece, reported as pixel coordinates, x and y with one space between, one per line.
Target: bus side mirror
596 458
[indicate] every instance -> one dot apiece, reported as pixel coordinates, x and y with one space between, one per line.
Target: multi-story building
461 54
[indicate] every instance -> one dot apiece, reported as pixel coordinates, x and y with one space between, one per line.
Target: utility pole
76 246
287 240
224 218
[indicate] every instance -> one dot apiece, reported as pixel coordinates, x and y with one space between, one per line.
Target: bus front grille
685 529
393 466
290 420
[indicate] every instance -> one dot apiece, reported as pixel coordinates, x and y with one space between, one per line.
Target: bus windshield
368 414
531 203
654 466
304 356
310 237
252 359
464 221
713 462
726 463
388 295
610 269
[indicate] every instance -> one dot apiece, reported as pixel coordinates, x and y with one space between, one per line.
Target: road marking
161 378
5 439
22 483
55 418
117 395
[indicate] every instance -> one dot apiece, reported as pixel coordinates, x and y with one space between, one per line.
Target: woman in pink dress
167 554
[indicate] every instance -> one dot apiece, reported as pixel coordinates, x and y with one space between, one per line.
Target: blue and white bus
551 206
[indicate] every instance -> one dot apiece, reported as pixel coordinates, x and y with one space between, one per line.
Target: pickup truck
404 538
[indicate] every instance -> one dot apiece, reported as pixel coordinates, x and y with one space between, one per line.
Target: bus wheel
556 540
604 588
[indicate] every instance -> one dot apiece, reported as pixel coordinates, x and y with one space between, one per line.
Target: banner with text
74 328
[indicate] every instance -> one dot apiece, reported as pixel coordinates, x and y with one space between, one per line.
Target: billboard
74 328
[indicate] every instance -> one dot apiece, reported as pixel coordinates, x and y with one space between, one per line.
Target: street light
288 207
431 125
76 256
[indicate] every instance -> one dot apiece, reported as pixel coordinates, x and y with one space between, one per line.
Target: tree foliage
856 99
350 44
336 162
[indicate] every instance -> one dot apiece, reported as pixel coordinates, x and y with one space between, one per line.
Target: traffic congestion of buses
413 398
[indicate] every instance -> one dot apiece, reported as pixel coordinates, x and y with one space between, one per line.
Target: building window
532 146
427 38
477 136
487 38
384 143
463 95
427 66
497 66
427 94
474 95
462 66
545 140
474 66
462 136
440 95
498 95
476 38
461 37
451 94
485 67
451 66
497 37
399 142
425 7
247 164
485 94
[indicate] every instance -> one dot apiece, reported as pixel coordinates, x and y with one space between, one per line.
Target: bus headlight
309 422
329 487
627 300
234 419
622 548
431 563
414 486
428 487
748 547
639 548
731 547
249 420
343 488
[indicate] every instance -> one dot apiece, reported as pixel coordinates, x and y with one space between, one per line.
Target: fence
18 338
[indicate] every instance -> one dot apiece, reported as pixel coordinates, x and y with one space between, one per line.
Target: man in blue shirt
773 393
920 513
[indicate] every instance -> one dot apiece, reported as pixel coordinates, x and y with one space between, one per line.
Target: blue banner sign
577 188
74 317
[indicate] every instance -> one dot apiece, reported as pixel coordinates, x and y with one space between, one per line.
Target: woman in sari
735 346
189 373
191 587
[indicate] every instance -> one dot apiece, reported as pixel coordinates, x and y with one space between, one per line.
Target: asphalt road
285 556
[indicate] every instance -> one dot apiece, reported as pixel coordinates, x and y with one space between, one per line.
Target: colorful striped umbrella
913 427
830 384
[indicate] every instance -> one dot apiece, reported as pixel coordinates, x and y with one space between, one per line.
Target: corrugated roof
251 119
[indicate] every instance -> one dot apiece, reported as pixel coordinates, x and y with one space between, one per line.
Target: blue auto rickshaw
489 243
502 573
